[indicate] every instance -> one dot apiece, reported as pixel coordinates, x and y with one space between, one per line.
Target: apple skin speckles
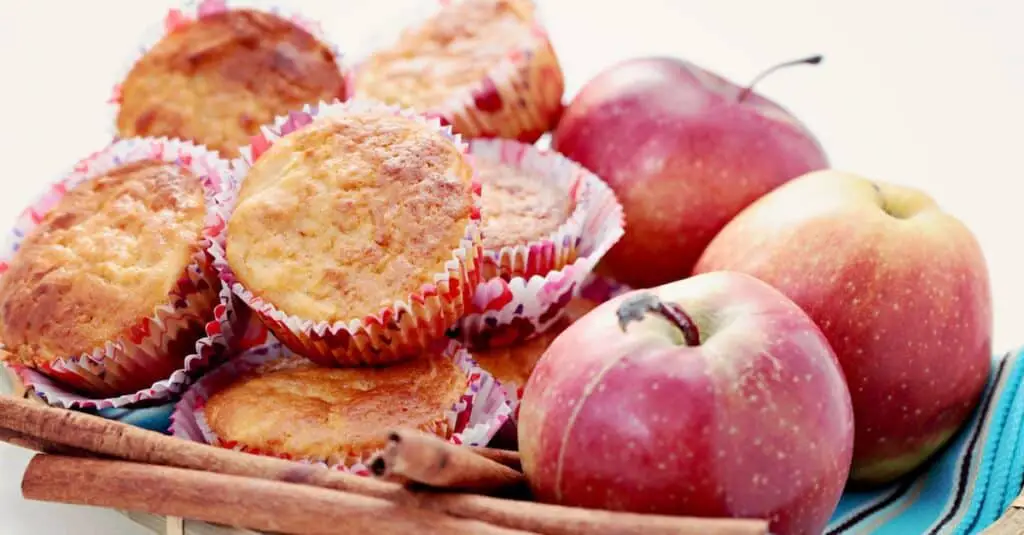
904 301
756 421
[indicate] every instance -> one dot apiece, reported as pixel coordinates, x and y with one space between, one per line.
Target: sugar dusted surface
292 407
451 52
218 79
105 257
349 214
518 206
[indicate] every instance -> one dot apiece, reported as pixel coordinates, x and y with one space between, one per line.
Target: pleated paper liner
519 98
154 358
560 247
473 421
404 328
191 10
508 311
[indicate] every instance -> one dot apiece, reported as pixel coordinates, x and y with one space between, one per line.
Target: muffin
111 290
485 66
293 408
520 208
513 364
355 236
269 401
531 272
216 79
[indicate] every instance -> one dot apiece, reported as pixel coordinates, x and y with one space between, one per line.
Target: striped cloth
968 486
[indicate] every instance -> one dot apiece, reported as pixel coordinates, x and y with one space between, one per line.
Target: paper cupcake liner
398 331
520 98
473 420
508 311
191 10
556 250
155 357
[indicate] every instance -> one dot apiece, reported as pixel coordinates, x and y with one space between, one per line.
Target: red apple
685 150
900 290
713 396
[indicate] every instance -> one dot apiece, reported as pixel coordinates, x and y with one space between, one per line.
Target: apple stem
636 307
811 60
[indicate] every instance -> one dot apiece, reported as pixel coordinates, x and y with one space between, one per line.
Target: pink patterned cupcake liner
397 331
508 311
473 420
559 248
191 10
520 98
146 363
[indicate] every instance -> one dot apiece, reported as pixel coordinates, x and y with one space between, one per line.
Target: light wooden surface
177 526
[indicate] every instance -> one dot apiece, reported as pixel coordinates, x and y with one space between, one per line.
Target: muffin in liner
519 96
542 254
395 332
154 358
512 365
472 421
507 311
216 47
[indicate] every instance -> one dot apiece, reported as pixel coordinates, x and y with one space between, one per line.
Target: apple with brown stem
713 396
685 150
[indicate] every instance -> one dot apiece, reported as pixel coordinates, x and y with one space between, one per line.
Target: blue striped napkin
962 491
968 486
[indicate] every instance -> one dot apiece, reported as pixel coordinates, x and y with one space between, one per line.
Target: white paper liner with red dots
520 97
143 352
508 311
407 325
475 419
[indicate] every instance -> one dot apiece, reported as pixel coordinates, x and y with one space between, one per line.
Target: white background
924 92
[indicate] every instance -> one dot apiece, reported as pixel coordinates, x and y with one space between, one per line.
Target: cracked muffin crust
290 407
102 259
350 214
216 80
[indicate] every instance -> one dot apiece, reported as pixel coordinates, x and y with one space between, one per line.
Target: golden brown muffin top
349 214
292 407
103 258
518 207
219 78
450 53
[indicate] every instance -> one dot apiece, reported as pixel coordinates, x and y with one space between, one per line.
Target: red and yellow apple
685 150
713 396
900 290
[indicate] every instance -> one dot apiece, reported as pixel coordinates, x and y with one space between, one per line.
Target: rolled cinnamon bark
509 458
119 440
422 458
231 500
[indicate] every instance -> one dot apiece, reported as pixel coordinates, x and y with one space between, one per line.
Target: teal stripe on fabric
1003 486
956 487
1001 453
972 464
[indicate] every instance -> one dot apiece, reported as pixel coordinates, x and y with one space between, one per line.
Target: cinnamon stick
509 458
119 440
30 443
422 458
231 500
